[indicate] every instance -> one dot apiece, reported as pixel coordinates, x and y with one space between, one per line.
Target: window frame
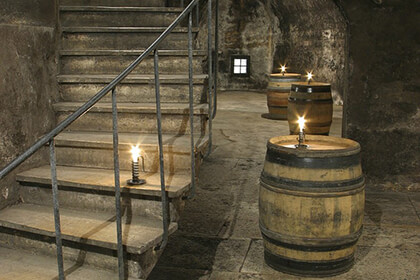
248 65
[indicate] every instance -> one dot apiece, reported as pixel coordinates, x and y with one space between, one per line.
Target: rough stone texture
27 71
246 28
305 35
314 39
383 97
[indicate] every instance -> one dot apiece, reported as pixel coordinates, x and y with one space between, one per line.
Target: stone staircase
100 38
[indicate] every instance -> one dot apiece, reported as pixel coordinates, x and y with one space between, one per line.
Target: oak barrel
278 93
311 204
313 102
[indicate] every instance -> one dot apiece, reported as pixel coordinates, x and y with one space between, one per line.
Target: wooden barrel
314 102
278 93
311 204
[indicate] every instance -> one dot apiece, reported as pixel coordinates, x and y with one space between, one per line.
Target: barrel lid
287 77
318 146
310 87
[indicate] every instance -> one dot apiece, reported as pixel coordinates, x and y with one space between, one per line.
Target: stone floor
218 236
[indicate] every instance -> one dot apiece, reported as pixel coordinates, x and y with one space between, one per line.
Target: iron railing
49 138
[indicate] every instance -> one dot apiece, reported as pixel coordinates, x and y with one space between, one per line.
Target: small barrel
311 204
278 93
313 102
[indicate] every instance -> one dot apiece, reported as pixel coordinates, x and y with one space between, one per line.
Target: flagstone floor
218 235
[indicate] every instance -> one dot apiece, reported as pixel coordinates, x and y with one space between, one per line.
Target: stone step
113 62
135 117
123 38
93 189
95 16
122 3
86 235
94 150
22 264
134 88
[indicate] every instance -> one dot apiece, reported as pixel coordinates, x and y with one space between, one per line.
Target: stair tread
103 8
103 180
173 143
97 229
124 29
106 107
143 78
21 264
98 52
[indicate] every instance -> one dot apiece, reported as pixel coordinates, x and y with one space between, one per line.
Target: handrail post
210 74
191 100
216 60
165 208
120 249
197 14
54 187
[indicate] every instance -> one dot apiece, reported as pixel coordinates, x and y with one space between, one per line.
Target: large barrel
278 93
311 204
314 102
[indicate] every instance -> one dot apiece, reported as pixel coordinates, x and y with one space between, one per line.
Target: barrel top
286 75
318 146
311 84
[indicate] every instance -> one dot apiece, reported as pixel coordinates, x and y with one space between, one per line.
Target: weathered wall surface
383 97
247 27
307 35
314 39
27 81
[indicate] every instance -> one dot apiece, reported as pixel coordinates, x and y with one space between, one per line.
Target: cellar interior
368 51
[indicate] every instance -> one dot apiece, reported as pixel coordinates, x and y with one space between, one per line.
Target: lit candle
135 156
309 76
135 153
301 122
283 69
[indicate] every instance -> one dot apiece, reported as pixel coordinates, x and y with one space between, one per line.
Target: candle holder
301 140
135 172
301 137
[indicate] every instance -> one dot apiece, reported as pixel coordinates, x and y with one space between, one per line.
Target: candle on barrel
283 69
278 92
309 76
301 139
135 172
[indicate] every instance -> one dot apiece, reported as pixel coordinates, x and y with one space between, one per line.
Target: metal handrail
49 138
89 104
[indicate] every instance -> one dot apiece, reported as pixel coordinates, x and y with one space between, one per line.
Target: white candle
301 122
135 153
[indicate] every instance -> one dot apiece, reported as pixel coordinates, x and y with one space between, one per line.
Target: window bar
165 209
210 81
54 186
191 99
117 185
182 3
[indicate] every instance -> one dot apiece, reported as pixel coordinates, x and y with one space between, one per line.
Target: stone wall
307 35
28 85
383 98
314 39
247 27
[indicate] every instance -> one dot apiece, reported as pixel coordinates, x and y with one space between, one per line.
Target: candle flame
283 68
310 76
301 122
135 153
